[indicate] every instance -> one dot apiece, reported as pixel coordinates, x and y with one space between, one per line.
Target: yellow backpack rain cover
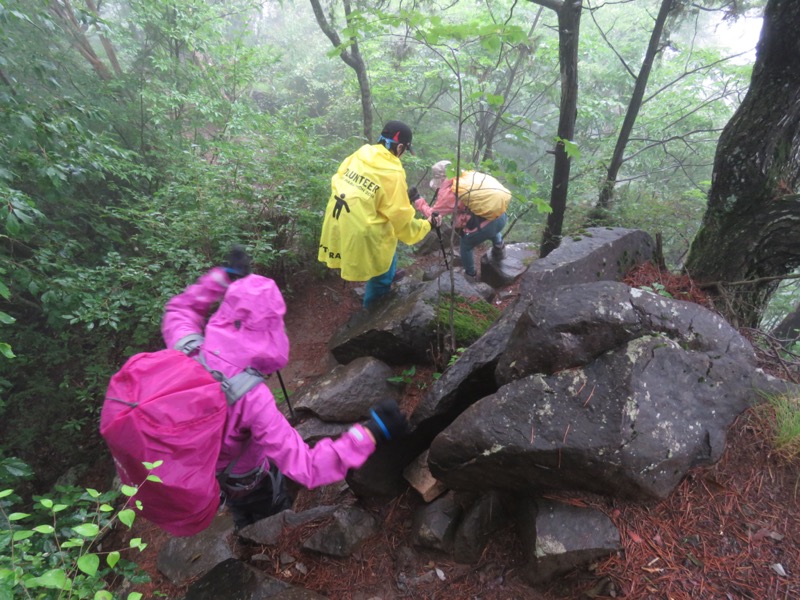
482 194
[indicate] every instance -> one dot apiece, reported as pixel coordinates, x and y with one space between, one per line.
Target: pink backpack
167 406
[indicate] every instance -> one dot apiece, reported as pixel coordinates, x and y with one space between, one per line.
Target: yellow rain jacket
367 213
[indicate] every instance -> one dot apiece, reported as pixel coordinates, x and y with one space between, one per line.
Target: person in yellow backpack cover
369 211
474 230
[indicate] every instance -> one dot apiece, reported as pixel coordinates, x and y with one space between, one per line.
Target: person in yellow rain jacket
369 211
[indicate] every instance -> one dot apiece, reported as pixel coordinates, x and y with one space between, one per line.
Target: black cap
397 132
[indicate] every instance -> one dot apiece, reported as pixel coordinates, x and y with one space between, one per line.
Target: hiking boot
499 252
471 278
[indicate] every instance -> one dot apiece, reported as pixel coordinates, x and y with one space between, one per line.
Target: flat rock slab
235 580
351 526
268 531
502 272
184 558
559 537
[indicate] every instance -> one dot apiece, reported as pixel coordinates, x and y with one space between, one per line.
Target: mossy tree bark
751 229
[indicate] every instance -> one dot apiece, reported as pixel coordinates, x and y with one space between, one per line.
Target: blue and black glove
413 195
237 263
386 422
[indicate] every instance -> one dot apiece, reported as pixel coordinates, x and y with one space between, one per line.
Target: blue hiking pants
380 285
493 231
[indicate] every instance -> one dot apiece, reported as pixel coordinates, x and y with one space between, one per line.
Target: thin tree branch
609 44
749 281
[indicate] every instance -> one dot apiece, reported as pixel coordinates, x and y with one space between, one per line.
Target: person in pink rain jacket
474 230
259 444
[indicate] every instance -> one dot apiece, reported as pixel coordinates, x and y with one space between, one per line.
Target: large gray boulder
642 389
603 254
569 326
402 329
348 392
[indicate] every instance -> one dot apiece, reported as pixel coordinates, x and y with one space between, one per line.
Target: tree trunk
751 228
569 20
606 198
788 330
62 9
353 59
107 46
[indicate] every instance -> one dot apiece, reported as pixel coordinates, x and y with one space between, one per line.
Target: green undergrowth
471 317
50 544
782 414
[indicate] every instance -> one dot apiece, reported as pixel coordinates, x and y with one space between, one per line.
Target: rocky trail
728 531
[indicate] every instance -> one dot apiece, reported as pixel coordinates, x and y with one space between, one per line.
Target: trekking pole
285 395
423 177
441 243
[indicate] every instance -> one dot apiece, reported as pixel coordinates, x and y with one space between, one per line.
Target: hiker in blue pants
473 229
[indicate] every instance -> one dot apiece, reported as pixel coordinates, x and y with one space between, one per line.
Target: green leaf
150 466
155 478
28 121
570 147
17 516
492 43
6 319
127 516
44 529
5 350
5 493
88 563
112 558
59 507
495 100
105 508
135 596
46 502
129 490
92 492
137 543
22 534
103 595
55 579
87 529
73 543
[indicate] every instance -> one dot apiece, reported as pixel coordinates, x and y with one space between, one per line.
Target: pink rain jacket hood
248 331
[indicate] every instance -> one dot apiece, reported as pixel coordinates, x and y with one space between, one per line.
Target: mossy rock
471 318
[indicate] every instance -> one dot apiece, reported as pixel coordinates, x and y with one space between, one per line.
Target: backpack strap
190 343
237 386
233 387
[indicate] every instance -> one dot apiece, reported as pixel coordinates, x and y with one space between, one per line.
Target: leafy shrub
51 551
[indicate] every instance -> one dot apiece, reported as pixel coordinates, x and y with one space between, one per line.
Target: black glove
387 422
237 263
413 195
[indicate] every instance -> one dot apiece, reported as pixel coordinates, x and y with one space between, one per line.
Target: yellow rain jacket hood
367 213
